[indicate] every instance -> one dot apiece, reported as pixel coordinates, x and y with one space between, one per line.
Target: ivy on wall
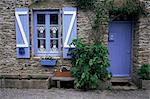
102 8
128 7
90 62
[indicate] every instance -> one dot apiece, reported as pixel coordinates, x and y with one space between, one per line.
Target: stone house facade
10 64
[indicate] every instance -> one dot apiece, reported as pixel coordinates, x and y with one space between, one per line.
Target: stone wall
10 64
141 42
141 45
8 61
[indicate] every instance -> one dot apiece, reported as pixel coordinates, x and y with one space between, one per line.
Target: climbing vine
90 62
102 9
128 7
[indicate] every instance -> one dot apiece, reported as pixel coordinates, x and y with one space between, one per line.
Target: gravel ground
71 94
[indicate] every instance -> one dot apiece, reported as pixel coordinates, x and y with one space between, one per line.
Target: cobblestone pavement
71 94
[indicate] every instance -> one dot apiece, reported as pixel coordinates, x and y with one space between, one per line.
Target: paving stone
71 94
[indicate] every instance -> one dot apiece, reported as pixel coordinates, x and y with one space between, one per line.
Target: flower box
50 63
62 74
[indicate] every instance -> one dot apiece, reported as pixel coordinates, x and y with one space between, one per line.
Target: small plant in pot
64 71
48 61
144 73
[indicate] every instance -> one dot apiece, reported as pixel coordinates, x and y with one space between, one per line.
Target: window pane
41 32
41 45
54 32
54 19
41 19
54 45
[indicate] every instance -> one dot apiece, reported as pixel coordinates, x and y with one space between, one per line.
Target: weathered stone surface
55 93
10 64
8 61
145 84
24 83
141 44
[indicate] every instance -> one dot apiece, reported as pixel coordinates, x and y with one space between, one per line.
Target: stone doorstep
118 80
124 88
132 86
121 79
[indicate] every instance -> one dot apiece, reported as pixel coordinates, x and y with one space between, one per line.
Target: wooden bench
59 79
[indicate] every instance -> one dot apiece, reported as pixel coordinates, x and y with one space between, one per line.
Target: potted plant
144 73
64 71
48 61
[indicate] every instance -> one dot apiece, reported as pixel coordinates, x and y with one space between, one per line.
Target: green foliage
129 7
85 4
101 10
144 72
90 63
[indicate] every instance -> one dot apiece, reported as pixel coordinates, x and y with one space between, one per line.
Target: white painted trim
70 28
26 44
69 12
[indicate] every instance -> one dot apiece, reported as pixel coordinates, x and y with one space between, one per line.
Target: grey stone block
145 84
24 83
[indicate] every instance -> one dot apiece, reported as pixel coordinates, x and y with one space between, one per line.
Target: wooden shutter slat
22 33
69 28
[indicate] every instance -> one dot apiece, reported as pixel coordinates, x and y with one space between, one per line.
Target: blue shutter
69 28
22 33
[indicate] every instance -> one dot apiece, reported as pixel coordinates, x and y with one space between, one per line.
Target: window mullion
59 31
47 33
35 34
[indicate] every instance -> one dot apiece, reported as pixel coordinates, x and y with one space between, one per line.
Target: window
47 33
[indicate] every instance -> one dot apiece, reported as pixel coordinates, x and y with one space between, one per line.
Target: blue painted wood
48 38
35 34
120 36
23 52
66 23
50 63
47 33
59 35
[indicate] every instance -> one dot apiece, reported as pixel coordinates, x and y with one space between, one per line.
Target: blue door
120 36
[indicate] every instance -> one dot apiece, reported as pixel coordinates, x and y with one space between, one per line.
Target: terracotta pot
62 74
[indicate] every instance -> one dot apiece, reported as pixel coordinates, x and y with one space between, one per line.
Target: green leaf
90 64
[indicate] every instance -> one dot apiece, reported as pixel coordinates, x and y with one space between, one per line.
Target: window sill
38 58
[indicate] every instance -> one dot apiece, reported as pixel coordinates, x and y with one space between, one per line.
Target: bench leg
58 84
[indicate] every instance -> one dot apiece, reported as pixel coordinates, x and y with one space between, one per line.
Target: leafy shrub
144 72
85 4
90 63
